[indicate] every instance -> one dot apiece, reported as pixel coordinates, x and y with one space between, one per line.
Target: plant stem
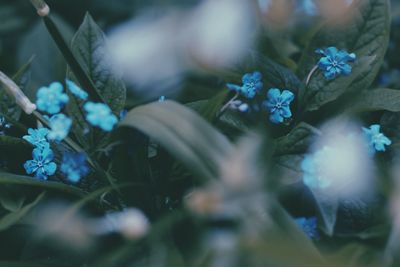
311 74
224 108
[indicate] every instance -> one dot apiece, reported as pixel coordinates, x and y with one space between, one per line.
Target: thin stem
224 108
311 74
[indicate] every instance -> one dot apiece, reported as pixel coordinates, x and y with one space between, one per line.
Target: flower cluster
277 102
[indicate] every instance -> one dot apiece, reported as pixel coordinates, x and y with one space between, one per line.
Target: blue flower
51 99
278 105
122 114
100 115
335 62
76 90
313 169
309 226
240 106
376 139
161 99
37 137
252 84
42 164
74 166
60 126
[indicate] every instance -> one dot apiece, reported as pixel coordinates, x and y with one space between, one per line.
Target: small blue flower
100 115
161 99
309 226
376 139
42 164
60 126
278 105
37 137
51 99
252 84
76 90
335 62
312 167
74 166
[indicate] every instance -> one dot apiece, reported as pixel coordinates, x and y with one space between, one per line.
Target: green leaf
320 91
8 178
377 99
89 45
366 34
184 134
297 141
14 217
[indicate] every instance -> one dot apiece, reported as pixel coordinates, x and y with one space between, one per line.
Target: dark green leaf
297 141
184 134
377 99
366 35
14 217
89 45
320 91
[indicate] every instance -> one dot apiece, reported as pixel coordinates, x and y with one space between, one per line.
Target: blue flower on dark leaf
252 84
334 62
60 126
74 166
51 99
99 114
376 140
278 105
309 226
76 90
37 137
42 164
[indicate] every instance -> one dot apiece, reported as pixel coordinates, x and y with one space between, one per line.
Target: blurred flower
252 84
161 99
376 139
51 99
73 166
60 126
37 137
3 125
335 62
278 105
157 51
308 7
309 226
131 223
42 163
339 163
313 173
76 90
239 105
99 114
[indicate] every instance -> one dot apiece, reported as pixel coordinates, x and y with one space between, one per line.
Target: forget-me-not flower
314 175
278 105
99 114
309 226
252 84
37 137
334 62
60 126
51 99
376 140
74 166
76 90
42 164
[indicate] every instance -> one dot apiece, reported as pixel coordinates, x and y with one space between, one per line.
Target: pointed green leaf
184 134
